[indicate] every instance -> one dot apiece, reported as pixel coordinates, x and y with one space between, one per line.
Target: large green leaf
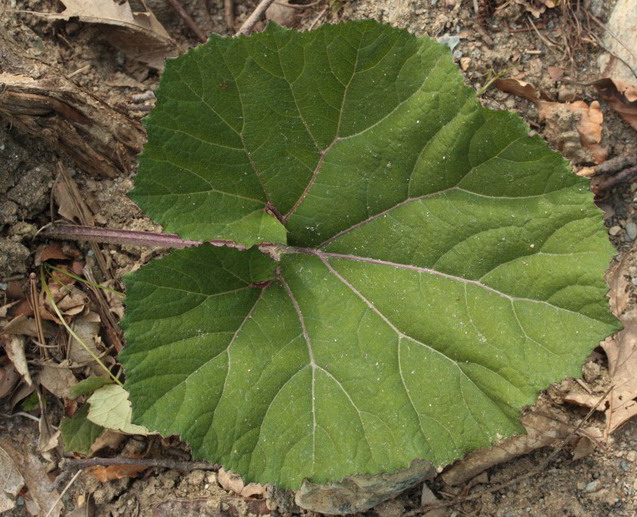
441 267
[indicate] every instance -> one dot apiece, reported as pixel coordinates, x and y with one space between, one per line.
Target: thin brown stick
188 20
616 164
318 17
620 177
167 463
249 24
228 12
33 301
541 467
113 236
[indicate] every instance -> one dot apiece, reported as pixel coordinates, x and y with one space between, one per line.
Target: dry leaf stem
73 463
249 24
192 25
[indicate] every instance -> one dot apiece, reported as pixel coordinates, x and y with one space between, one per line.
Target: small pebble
625 466
631 456
593 486
614 230
631 232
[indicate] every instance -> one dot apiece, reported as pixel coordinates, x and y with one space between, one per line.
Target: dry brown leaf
621 350
9 377
58 380
542 431
562 118
138 34
14 347
50 251
535 7
87 328
11 480
23 325
519 88
559 119
622 368
108 439
621 96
43 497
281 14
104 474
233 483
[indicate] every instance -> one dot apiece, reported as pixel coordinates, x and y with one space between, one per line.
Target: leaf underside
437 267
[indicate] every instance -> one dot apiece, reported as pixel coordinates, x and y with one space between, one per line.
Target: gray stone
631 232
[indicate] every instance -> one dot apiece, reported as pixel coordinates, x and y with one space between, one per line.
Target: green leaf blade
443 267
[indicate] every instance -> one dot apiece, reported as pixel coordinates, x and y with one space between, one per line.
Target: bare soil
507 38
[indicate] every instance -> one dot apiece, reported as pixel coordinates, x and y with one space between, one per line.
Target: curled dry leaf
621 350
542 431
137 34
14 347
536 7
104 474
234 483
621 96
12 481
58 380
281 13
574 128
42 494
87 328
9 378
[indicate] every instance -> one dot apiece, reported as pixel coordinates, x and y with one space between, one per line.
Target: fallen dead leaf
622 367
87 328
104 474
561 119
621 96
281 13
589 125
12 481
42 496
233 483
621 351
542 431
14 347
137 34
536 7
58 380
9 377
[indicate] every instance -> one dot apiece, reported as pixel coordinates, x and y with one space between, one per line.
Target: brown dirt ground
600 484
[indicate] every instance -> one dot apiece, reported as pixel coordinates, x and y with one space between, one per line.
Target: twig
59 498
33 300
615 164
318 17
542 466
228 12
188 20
249 24
123 237
167 463
620 177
